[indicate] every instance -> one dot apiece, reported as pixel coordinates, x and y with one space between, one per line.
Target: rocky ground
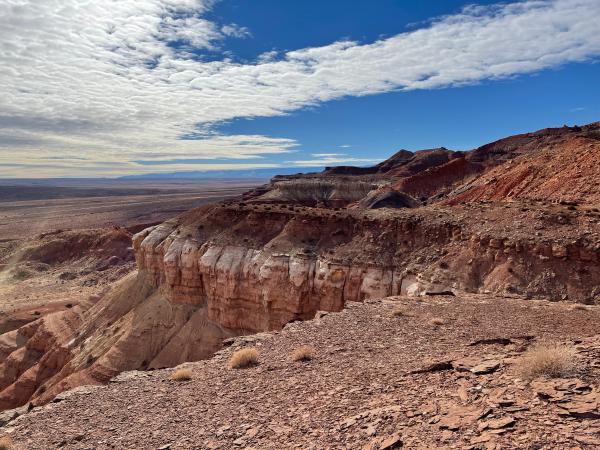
58 270
440 375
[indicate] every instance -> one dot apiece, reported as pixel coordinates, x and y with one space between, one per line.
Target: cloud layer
91 87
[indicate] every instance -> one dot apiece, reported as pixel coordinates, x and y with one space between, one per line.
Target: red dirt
560 169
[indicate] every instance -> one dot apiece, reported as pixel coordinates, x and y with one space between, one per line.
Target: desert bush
437 321
400 311
243 358
579 306
183 374
547 359
304 353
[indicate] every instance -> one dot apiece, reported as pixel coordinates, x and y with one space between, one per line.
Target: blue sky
457 118
179 85
291 25
376 126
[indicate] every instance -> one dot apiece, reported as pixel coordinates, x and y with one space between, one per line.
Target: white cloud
330 159
196 32
99 79
235 30
268 56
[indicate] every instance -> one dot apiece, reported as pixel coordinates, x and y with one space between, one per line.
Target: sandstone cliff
258 267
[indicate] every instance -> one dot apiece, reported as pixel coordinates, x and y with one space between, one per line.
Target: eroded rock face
132 327
259 278
256 277
556 164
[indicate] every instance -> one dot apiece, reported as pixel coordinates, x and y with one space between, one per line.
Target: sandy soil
128 205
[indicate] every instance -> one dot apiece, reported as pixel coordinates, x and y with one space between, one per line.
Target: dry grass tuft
399 311
547 359
437 321
245 357
304 353
181 375
5 443
579 306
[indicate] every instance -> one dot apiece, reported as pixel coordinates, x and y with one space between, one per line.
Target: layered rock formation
560 164
563 168
132 327
272 265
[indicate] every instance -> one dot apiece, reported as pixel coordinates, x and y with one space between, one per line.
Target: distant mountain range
221 174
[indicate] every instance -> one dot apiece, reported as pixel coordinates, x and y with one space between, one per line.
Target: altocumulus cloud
329 159
103 81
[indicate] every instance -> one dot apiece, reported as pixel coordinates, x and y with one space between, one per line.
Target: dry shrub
436 321
181 375
400 312
304 353
245 357
579 306
547 359
5 443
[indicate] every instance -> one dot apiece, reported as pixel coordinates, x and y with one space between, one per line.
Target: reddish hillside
555 164
437 180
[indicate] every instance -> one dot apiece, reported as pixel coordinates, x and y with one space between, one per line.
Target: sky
106 88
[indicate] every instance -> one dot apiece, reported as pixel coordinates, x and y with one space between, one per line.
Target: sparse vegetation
579 306
5 443
183 374
304 353
547 359
437 321
243 358
400 311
